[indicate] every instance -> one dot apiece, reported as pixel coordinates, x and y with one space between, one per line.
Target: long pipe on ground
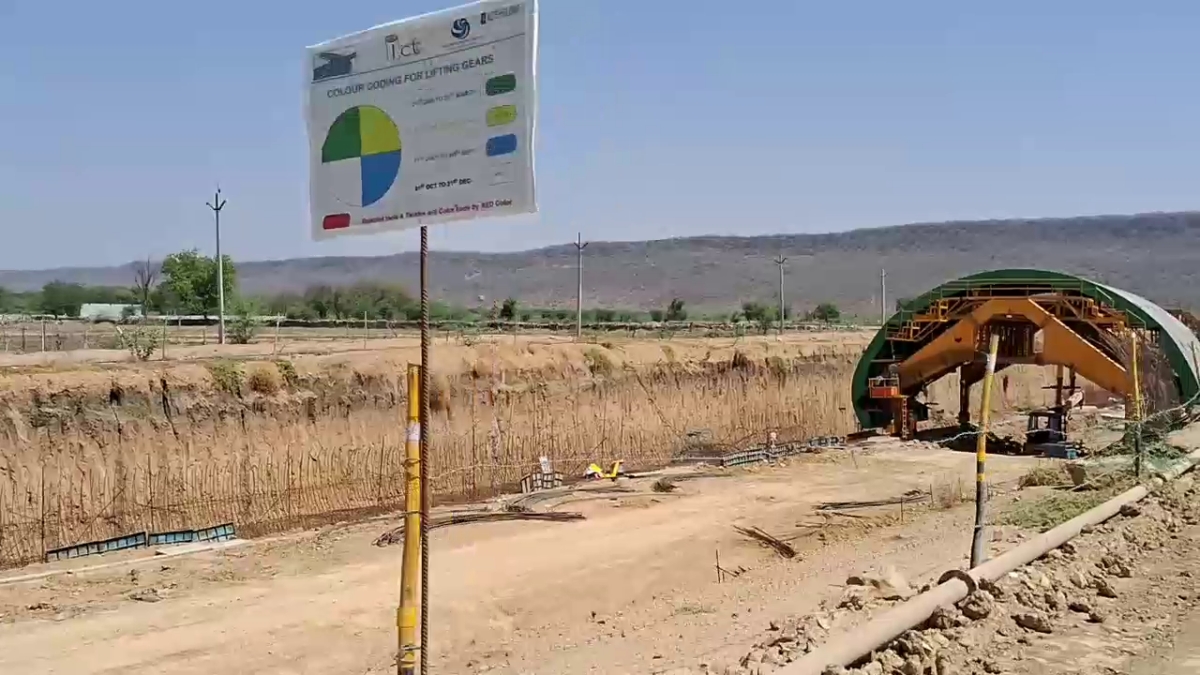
850 646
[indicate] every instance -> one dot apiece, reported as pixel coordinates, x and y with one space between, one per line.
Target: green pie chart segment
361 155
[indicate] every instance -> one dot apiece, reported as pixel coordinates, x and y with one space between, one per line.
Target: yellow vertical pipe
1137 389
1137 408
978 549
410 575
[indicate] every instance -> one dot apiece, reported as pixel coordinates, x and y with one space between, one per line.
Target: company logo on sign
460 29
501 13
397 50
332 64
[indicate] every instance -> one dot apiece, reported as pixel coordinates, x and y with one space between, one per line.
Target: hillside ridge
1152 254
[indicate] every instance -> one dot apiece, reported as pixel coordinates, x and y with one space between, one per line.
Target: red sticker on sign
336 221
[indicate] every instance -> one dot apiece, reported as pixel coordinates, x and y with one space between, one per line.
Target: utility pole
580 244
883 297
780 260
216 205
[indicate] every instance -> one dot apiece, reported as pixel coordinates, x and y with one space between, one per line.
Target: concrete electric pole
216 205
580 244
780 260
883 297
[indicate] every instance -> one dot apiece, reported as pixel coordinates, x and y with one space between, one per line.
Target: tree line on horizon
186 283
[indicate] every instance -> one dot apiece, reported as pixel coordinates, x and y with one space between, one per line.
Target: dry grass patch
599 363
1046 474
948 491
227 376
265 379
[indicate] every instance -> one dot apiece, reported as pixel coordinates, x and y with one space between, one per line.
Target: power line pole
780 260
882 297
580 244
216 205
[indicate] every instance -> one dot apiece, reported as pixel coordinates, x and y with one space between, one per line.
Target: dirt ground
631 589
1119 598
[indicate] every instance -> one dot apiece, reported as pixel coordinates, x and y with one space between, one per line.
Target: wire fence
272 493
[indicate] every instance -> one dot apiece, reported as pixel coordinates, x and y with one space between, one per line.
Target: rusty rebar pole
424 421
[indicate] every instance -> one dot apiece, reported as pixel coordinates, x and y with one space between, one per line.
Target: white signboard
426 120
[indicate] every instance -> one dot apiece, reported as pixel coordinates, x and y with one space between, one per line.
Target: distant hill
1155 254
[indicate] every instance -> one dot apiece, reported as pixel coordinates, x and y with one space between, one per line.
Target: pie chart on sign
360 158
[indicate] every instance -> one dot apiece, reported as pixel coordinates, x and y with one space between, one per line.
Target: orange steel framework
1040 317
1033 326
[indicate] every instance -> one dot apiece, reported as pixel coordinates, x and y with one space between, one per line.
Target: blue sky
658 119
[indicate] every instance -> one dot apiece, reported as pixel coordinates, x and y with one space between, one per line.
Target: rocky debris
1104 588
145 595
995 628
978 605
992 587
886 585
1034 621
1116 566
990 666
1130 511
1079 578
1055 601
854 597
1081 606
945 617
872 668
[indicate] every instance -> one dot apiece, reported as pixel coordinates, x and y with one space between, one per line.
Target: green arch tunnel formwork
1177 342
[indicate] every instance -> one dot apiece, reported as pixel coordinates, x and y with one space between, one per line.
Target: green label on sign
501 115
501 84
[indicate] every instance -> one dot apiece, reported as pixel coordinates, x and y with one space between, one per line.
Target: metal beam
958 345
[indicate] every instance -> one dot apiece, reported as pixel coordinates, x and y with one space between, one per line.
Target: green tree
508 310
756 312
245 323
323 300
675 311
657 315
826 311
62 299
191 279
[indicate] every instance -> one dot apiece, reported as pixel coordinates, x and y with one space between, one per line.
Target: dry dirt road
632 589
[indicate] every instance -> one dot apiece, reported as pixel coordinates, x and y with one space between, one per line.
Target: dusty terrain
96 450
632 589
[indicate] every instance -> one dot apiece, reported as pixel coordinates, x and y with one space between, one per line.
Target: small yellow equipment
595 472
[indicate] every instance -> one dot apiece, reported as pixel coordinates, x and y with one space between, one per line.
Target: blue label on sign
502 145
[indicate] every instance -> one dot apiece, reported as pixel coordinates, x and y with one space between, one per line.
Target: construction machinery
1041 318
